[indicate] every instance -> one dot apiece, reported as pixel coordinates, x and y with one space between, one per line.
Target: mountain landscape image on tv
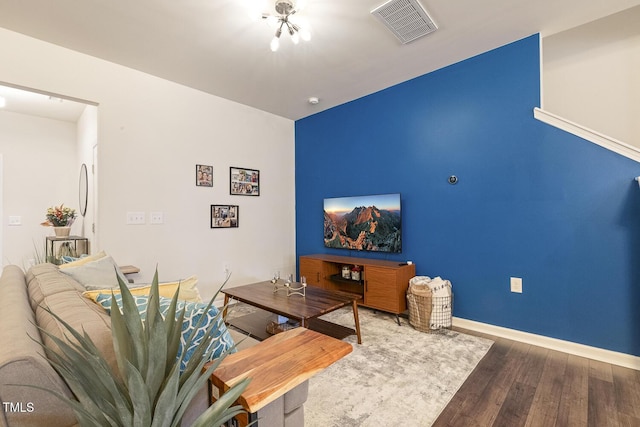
364 223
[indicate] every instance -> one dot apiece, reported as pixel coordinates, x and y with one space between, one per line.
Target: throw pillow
66 259
192 313
141 302
99 274
83 260
188 290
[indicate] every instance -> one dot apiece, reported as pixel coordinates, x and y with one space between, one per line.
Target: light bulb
303 26
275 44
295 38
305 34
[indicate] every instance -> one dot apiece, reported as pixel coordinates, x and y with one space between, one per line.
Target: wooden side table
129 269
277 365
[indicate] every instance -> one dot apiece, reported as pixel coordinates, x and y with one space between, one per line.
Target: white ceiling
214 46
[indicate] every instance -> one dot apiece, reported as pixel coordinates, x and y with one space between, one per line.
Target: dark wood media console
382 285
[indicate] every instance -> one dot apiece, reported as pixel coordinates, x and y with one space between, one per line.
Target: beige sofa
22 301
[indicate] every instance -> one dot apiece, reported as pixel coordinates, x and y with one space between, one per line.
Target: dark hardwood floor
518 384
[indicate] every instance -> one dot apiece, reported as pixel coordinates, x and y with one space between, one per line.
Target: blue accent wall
532 201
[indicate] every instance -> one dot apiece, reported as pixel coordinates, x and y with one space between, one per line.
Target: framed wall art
224 216
204 176
244 182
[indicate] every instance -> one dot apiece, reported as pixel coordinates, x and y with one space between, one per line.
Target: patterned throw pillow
193 312
141 302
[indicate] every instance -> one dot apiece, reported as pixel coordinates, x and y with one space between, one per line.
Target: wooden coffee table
305 309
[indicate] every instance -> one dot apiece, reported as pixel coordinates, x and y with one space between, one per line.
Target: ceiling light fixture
282 21
3 102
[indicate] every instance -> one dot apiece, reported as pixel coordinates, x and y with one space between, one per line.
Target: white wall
590 75
87 138
39 171
151 134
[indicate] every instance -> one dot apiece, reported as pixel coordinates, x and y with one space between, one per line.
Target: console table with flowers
57 247
61 218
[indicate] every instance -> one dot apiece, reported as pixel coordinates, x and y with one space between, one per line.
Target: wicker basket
430 314
419 311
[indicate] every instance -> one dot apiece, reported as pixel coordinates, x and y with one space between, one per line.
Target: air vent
407 19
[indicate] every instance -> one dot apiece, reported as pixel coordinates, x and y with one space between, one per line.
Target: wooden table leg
224 309
356 320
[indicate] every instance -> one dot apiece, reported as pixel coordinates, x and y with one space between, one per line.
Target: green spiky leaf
147 388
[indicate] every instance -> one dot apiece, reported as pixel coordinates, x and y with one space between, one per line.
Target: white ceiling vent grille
407 19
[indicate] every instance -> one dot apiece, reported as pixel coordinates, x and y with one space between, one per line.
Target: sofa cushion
59 293
44 280
82 315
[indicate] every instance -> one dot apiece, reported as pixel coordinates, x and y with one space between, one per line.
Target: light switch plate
156 217
135 218
516 285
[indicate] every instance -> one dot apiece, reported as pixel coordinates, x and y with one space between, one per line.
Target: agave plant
148 388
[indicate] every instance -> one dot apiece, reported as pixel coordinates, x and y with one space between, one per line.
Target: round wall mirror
83 189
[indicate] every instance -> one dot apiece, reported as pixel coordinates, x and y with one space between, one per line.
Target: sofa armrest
22 362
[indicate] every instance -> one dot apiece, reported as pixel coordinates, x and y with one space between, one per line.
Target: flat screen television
364 223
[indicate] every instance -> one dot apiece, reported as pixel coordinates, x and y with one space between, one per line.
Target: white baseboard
608 356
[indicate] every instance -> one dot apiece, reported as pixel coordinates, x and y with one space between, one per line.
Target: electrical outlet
516 285
135 218
15 220
156 217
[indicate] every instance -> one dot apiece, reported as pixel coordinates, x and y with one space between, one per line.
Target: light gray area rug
398 376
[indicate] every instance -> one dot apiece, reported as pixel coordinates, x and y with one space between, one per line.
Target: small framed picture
244 182
224 216
204 176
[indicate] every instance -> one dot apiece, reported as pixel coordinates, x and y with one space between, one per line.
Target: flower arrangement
59 216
